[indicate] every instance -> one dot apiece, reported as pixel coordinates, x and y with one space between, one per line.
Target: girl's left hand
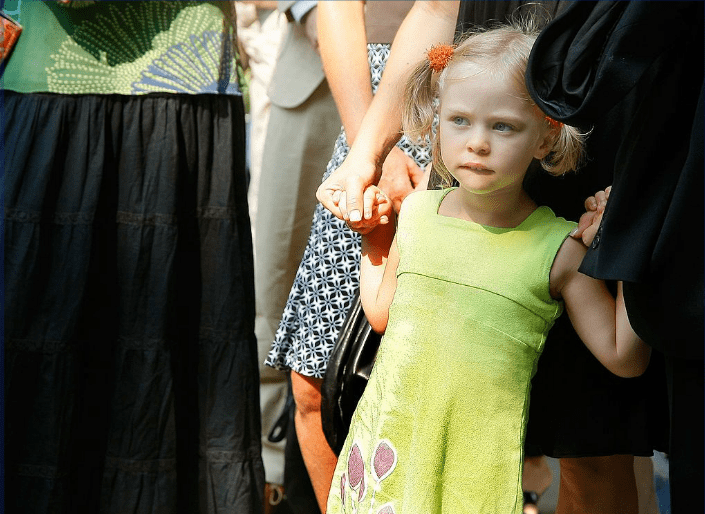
591 219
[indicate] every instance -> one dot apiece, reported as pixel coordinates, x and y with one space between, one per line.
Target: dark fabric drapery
645 61
131 380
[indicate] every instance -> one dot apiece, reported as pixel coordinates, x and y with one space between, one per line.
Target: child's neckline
491 228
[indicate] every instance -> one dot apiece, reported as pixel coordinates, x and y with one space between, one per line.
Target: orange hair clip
439 56
554 124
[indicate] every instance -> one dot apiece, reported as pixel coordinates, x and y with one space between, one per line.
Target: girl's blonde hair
502 50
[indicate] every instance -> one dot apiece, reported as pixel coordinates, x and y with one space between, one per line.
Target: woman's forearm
343 46
427 24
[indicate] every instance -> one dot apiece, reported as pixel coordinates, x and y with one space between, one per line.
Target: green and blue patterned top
122 47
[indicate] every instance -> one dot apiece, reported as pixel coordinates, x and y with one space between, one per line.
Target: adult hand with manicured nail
591 219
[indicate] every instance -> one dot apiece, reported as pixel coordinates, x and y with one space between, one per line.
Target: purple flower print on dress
356 473
386 509
356 467
384 460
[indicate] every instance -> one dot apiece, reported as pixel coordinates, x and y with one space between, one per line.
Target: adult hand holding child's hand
591 219
346 185
381 210
348 194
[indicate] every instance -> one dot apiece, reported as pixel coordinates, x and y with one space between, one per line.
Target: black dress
131 373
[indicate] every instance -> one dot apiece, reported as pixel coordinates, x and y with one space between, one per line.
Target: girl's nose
478 142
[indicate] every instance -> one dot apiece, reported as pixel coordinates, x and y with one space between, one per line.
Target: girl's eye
459 120
503 127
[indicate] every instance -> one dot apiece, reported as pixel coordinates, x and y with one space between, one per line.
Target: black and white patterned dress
328 275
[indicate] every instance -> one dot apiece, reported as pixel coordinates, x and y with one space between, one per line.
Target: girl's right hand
349 181
381 210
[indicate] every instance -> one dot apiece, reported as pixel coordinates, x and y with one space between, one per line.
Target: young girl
466 293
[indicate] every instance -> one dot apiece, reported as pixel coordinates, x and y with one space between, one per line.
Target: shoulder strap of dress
557 231
416 208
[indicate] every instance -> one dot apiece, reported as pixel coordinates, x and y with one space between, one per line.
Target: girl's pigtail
420 102
419 94
568 150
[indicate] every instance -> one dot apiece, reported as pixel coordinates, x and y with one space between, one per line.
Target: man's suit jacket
299 70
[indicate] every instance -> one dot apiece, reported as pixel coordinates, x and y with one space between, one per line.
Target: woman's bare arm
428 23
343 47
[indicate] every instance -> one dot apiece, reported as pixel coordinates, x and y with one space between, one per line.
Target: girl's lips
476 167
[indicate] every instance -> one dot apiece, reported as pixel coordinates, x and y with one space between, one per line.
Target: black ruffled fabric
633 71
131 374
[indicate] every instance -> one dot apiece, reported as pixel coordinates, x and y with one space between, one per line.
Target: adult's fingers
367 225
328 193
342 205
583 224
354 192
343 197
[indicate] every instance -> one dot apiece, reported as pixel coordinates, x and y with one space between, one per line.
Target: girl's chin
485 188
476 179
478 186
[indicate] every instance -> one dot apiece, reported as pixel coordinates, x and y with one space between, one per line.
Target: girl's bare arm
600 320
378 273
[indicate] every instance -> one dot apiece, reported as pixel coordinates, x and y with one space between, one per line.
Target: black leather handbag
347 374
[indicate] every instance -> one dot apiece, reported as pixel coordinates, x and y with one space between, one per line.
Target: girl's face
488 133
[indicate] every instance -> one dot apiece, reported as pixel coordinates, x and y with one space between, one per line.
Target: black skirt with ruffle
131 369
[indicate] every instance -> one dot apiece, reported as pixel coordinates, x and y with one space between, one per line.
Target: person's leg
644 474
537 478
319 458
597 484
300 496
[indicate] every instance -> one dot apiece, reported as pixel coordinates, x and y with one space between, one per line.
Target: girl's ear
548 142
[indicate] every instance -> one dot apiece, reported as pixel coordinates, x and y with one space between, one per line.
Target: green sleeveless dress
441 425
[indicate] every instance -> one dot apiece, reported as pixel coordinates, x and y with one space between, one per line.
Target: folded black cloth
633 73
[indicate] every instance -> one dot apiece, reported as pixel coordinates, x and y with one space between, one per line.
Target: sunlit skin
490 134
